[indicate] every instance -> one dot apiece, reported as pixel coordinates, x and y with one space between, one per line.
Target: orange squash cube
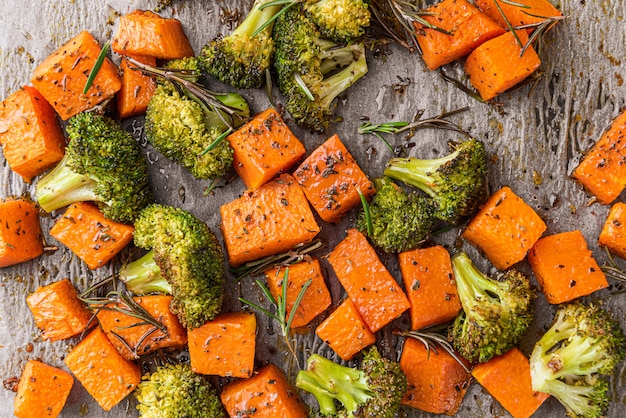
437 382
102 370
468 28
137 89
345 331
316 298
613 234
330 177
565 268
42 391
57 310
430 286
375 293
224 346
263 148
524 12
505 229
507 378
267 394
20 232
30 133
62 76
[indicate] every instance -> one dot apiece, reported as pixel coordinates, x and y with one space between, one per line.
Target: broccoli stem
334 58
143 276
417 172
324 378
62 187
256 18
336 84
472 283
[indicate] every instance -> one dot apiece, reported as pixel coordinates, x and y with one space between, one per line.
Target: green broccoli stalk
399 221
174 391
188 124
373 390
102 163
496 312
313 71
457 182
341 20
143 276
189 258
574 357
242 58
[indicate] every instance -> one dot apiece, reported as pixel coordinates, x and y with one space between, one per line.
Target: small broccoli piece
373 390
400 221
174 391
341 20
184 129
102 163
457 181
575 356
184 252
496 313
313 71
242 58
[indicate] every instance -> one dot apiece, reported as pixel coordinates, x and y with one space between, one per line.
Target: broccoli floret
313 71
457 182
575 356
102 163
341 20
496 312
188 256
400 221
242 58
373 390
174 391
184 129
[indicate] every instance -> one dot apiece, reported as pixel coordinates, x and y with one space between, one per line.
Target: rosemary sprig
431 340
96 67
540 28
287 4
217 141
612 270
456 83
184 82
280 305
437 122
366 211
298 253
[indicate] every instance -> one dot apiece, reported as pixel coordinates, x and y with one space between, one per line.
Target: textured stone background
536 142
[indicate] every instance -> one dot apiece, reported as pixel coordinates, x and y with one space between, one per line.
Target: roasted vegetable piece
341 20
174 391
505 228
458 28
42 391
499 64
242 58
102 163
574 358
507 378
137 89
565 267
20 232
613 234
61 78
602 171
188 129
143 32
496 311
313 71
224 346
267 394
518 12
437 382
345 331
430 286
93 238
457 182
374 389
30 133
58 311
400 221
187 254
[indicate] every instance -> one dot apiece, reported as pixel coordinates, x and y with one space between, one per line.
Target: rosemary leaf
96 67
366 211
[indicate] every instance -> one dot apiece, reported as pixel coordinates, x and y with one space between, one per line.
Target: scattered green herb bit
96 67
